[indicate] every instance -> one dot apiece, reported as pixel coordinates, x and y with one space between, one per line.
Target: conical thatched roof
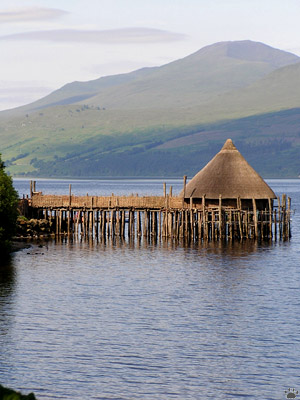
228 174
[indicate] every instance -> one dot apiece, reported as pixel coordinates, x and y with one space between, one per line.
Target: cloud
118 36
30 14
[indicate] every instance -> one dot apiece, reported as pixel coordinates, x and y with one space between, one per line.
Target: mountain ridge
266 57
139 113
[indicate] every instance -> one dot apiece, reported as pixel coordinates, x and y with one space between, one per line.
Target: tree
8 210
6 393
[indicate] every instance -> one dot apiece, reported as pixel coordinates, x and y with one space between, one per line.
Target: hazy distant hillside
156 113
197 78
74 92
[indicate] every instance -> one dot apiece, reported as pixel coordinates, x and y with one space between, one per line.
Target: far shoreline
112 178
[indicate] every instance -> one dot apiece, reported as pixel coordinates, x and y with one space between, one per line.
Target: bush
8 210
9 394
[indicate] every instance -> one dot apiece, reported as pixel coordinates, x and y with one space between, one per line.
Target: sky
48 43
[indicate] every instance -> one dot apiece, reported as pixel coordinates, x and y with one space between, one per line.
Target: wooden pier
159 217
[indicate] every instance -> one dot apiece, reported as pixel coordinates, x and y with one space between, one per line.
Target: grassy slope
148 110
270 142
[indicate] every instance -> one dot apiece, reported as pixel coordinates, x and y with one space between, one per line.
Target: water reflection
232 248
145 319
7 292
148 320
7 279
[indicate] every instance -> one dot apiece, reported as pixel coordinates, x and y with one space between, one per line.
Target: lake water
136 320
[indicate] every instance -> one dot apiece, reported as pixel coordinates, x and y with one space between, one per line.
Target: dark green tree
9 394
8 210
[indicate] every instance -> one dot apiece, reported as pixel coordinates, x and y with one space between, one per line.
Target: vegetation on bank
8 210
270 143
9 394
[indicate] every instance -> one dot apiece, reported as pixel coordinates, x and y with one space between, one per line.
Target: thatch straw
228 174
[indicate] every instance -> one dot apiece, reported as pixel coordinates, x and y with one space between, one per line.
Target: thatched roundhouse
230 179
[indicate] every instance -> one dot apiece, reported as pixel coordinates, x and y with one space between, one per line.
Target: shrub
9 394
8 210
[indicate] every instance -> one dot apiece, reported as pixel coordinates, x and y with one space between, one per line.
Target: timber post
184 189
255 219
289 218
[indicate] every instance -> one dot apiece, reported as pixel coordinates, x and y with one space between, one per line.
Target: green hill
163 120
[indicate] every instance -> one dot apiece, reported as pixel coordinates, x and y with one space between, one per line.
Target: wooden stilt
69 222
204 218
230 226
289 218
186 224
133 223
184 189
164 224
200 225
279 217
123 223
103 224
145 224
152 223
284 216
178 224
97 224
60 222
112 222
170 224
76 216
87 222
213 225
56 222
255 219
220 217
270 232
159 223
240 225
181 230
275 223
81 222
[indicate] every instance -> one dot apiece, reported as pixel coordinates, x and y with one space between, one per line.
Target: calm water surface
138 320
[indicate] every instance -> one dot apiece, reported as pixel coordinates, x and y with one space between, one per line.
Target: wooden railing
97 202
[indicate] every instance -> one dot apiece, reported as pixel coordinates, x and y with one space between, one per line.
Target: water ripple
152 321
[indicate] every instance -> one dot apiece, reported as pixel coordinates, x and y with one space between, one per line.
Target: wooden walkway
158 217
